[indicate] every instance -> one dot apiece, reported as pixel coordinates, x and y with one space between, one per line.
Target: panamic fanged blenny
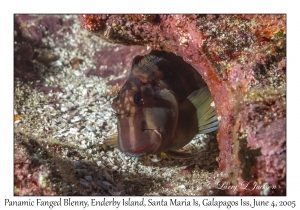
163 104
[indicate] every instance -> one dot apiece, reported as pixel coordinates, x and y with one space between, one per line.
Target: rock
242 58
88 178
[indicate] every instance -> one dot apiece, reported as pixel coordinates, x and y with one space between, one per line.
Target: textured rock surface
64 82
242 58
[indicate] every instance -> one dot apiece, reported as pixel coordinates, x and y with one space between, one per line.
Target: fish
160 108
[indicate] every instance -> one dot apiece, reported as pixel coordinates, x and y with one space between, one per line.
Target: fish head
147 117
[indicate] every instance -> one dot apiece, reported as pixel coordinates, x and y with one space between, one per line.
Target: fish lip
144 150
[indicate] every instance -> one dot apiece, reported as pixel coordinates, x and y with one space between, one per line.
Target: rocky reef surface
242 58
64 82
65 79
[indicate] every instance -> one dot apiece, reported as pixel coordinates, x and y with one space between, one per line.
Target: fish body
162 105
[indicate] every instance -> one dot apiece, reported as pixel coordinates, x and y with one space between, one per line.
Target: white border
153 6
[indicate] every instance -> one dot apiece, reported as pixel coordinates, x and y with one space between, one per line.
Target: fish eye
138 99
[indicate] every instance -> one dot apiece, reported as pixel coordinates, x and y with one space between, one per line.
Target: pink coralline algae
242 58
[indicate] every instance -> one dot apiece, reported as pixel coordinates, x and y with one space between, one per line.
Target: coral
242 58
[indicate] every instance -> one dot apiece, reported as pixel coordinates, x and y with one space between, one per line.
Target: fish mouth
144 150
